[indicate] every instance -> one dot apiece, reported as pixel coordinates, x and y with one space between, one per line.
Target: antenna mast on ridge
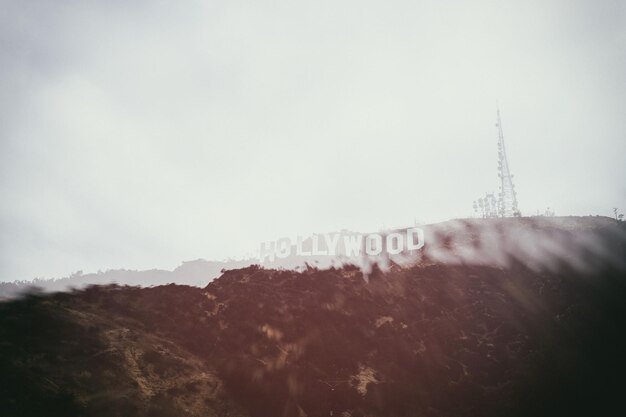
507 201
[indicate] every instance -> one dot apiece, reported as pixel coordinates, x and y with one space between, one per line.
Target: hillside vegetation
511 338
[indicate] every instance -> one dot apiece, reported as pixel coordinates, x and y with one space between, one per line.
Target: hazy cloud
141 134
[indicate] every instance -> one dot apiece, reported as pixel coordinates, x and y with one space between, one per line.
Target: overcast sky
141 134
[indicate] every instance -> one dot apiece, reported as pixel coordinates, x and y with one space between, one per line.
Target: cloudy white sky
141 134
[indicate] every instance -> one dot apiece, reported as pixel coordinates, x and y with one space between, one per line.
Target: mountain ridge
431 339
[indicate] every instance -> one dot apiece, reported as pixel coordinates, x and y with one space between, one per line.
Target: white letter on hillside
299 250
352 244
379 244
267 251
315 250
399 243
331 243
410 242
283 247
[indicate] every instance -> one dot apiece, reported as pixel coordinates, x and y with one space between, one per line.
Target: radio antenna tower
507 201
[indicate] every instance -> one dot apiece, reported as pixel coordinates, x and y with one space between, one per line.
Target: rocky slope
439 338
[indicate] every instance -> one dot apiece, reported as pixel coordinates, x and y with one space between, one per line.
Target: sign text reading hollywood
344 244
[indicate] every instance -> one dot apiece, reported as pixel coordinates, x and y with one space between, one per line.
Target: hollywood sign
340 244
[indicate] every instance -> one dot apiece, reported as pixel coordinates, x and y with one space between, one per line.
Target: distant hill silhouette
197 273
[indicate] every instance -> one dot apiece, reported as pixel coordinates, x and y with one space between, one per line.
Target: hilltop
497 317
